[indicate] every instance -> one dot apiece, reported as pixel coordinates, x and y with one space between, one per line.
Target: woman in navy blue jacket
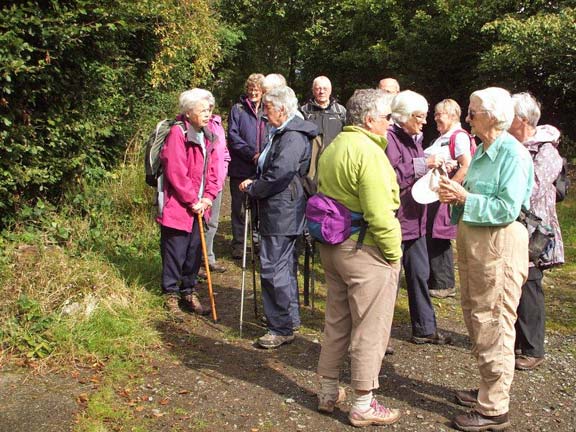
281 203
246 130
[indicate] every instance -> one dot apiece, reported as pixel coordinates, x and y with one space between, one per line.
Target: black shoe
474 421
237 252
435 339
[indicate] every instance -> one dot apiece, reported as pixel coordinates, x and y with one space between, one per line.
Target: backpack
452 144
562 182
153 147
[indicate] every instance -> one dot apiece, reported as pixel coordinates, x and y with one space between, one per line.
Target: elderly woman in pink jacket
190 185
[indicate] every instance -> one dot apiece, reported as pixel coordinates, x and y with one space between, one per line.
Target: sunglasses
472 114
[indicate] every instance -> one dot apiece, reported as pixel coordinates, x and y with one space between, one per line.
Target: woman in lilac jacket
190 184
404 150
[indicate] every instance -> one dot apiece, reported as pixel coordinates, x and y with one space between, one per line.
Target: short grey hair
498 103
282 97
321 79
273 80
407 103
190 98
527 107
367 102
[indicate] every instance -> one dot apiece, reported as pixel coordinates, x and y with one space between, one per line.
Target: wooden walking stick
207 265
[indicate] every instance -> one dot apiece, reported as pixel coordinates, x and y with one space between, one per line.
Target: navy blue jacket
278 189
246 131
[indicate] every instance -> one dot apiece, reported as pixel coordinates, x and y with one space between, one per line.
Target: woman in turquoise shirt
492 253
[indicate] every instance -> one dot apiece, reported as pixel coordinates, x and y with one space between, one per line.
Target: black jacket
330 120
278 189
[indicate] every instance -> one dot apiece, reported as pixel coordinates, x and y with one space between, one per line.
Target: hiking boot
467 398
474 421
390 349
171 302
217 268
270 340
434 339
526 363
327 402
375 415
443 293
193 303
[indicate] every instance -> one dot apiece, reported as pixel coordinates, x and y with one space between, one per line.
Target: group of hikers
403 203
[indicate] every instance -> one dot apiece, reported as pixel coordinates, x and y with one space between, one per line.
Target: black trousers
530 326
181 258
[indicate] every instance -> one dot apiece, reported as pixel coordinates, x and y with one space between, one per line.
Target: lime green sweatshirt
355 171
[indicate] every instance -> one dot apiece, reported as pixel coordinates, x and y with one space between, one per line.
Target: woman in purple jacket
190 184
409 111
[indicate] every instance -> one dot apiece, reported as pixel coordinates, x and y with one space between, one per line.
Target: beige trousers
493 266
359 309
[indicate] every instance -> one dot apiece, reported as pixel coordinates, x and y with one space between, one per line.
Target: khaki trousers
362 289
493 266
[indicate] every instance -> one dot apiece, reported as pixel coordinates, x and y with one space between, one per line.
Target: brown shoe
443 293
202 273
435 339
526 363
327 402
474 422
467 398
171 302
217 268
193 302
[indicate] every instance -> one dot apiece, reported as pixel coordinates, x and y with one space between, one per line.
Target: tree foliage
75 76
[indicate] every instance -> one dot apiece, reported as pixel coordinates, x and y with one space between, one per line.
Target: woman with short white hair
492 253
542 143
281 204
409 111
190 184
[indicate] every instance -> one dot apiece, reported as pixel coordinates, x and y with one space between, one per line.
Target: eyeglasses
386 116
419 117
472 114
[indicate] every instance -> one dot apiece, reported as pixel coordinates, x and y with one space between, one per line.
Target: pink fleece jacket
183 169
215 126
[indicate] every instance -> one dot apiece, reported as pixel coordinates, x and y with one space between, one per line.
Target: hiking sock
362 402
329 385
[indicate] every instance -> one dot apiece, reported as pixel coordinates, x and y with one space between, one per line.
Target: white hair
190 98
321 79
273 80
282 97
498 103
527 107
407 103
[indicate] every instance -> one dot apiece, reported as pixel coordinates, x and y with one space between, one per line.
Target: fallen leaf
82 398
139 408
165 401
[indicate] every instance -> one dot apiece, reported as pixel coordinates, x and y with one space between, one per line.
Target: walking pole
244 247
207 265
253 254
312 271
307 246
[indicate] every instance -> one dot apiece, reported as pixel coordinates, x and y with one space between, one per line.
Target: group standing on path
366 158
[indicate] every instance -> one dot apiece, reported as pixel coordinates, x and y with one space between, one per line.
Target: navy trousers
530 326
278 279
417 272
181 257
441 264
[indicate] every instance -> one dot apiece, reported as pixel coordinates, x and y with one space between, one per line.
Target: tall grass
79 283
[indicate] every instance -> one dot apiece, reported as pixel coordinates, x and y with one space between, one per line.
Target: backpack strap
452 144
